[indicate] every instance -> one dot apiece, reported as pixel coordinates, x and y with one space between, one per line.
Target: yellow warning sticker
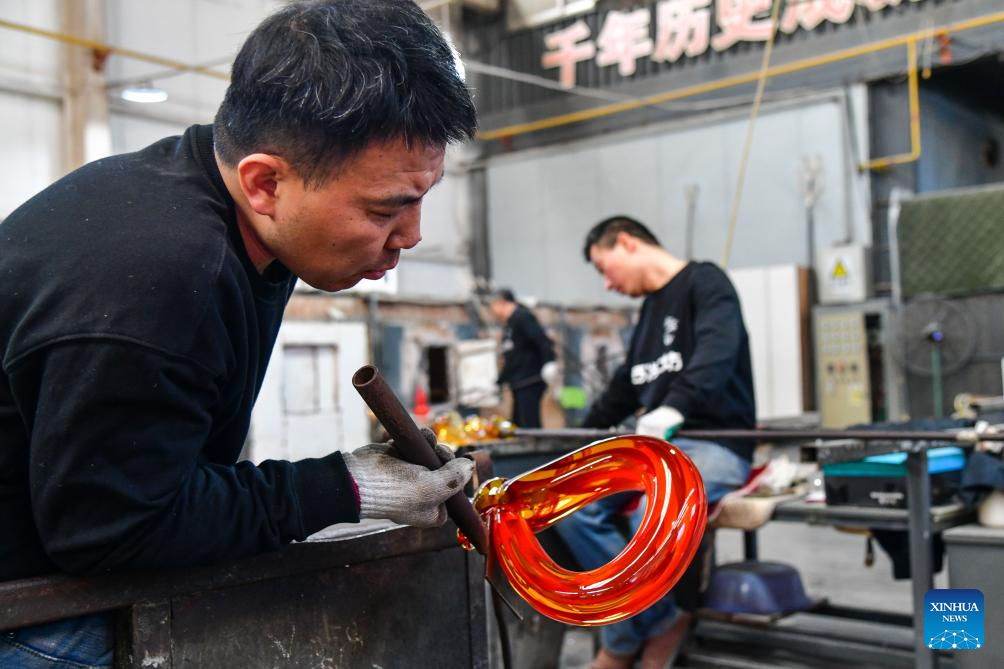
839 270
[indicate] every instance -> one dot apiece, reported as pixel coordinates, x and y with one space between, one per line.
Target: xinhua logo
953 619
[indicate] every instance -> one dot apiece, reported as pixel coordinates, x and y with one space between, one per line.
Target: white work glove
402 492
661 423
972 436
550 373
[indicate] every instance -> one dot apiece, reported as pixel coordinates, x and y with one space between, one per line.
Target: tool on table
413 447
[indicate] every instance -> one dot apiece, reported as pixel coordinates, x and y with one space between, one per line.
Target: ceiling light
144 93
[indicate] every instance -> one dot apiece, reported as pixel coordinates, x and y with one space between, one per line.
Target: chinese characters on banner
567 49
683 28
623 40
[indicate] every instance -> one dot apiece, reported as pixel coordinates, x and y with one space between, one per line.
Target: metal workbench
919 519
366 595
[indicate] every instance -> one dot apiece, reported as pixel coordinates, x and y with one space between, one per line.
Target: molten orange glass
652 562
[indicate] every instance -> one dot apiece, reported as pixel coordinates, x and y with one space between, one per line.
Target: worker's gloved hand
661 423
402 492
973 436
550 373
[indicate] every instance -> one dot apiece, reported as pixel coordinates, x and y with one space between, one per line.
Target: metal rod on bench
414 448
963 436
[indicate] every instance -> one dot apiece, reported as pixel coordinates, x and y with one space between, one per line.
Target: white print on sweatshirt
647 372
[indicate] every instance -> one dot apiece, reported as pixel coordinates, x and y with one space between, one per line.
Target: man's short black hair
604 233
318 81
503 294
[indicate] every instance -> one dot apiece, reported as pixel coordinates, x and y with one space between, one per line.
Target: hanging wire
744 160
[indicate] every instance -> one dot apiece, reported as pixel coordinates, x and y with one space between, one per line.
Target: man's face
355 226
619 272
498 309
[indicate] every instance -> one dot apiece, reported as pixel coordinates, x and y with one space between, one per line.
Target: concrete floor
830 562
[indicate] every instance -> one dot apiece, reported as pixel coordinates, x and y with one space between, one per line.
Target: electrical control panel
842 369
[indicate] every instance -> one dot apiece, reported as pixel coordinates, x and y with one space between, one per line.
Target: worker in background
528 364
142 296
688 365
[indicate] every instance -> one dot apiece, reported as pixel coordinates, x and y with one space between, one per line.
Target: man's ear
259 175
627 241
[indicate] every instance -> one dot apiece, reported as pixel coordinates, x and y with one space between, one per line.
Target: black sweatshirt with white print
689 351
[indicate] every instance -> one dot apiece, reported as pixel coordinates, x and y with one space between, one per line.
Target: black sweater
525 349
689 351
134 338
